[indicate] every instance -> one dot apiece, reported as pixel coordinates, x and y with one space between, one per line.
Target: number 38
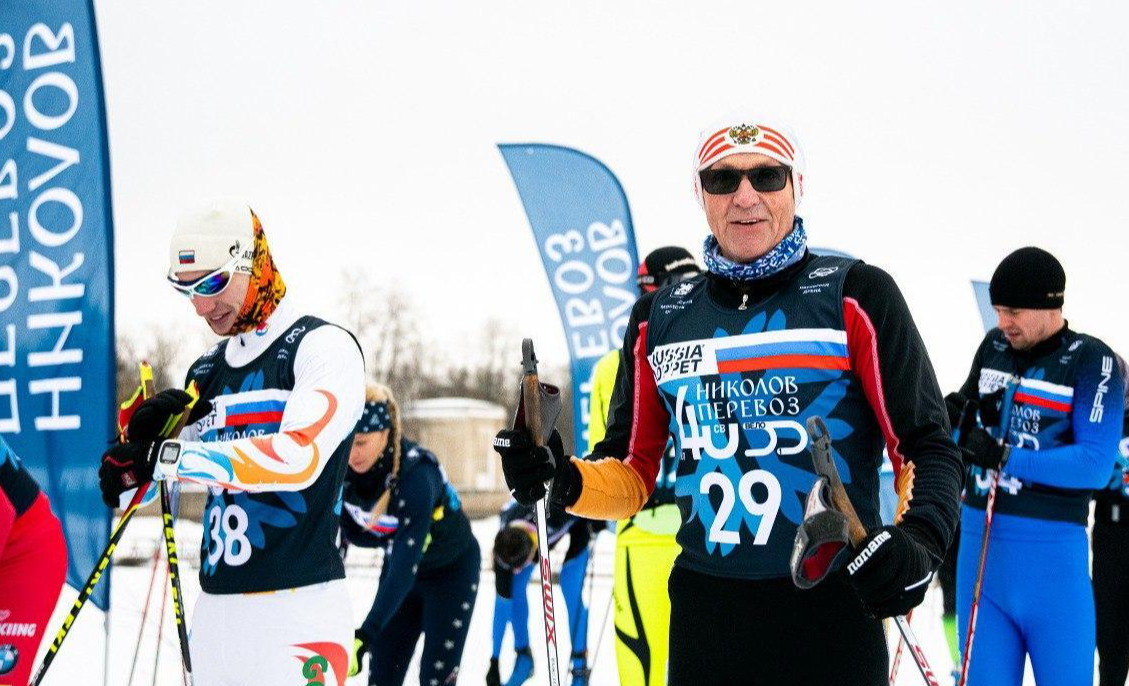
767 510
227 535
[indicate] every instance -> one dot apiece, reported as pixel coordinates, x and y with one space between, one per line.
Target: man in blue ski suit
1055 396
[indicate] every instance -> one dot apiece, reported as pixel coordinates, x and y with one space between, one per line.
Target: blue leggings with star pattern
439 606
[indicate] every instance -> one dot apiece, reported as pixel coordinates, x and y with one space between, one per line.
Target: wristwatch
168 460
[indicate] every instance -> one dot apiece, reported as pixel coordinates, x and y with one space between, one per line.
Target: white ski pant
295 636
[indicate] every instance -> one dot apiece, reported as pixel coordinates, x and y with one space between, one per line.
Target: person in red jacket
33 566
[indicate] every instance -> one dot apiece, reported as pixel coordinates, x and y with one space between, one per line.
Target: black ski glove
954 406
152 418
493 676
890 572
527 467
991 408
126 466
978 448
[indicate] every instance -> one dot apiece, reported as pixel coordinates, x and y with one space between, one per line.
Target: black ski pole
168 522
174 580
103 562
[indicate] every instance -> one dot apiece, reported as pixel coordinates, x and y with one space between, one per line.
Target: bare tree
384 320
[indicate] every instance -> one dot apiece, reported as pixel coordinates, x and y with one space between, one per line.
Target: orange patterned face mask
266 288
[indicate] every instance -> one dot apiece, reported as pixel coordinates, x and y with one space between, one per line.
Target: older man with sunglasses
270 438
732 363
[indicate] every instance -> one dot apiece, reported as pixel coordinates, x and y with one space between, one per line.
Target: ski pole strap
822 535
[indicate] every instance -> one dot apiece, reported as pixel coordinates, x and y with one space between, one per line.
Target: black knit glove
527 467
978 448
125 466
890 572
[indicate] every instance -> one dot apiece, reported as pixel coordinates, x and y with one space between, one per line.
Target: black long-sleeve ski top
918 430
424 531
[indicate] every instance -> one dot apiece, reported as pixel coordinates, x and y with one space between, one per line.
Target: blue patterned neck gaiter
787 252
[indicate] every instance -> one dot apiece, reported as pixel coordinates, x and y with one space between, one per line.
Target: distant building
460 432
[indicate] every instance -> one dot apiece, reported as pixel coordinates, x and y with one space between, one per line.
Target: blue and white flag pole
582 227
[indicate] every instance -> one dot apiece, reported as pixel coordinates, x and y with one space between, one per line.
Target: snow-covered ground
80 661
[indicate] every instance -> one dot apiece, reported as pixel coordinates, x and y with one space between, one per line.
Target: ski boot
580 671
523 667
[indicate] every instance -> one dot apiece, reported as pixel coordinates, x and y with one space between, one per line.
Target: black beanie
1029 279
664 265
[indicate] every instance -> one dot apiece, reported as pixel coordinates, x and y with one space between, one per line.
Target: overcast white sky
939 137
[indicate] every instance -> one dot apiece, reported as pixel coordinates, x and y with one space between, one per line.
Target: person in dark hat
1051 401
645 545
666 265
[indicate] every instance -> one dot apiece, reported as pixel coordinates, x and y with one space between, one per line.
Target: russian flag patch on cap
187 256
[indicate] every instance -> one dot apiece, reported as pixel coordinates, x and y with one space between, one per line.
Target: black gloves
493 676
978 448
153 418
890 572
528 467
991 409
130 464
126 466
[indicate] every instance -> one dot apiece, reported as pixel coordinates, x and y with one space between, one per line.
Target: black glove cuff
567 484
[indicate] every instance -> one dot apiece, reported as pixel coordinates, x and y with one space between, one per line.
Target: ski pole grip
824 465
531 393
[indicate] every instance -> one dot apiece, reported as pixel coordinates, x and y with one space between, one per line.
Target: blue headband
376 417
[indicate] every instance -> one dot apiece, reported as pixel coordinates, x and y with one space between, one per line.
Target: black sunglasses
763 179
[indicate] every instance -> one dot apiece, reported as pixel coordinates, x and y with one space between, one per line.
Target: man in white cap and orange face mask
732 363
284 393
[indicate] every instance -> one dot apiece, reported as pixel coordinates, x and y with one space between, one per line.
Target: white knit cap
735 135
208 236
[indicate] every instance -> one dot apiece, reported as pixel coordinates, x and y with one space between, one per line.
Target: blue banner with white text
57 382
582 227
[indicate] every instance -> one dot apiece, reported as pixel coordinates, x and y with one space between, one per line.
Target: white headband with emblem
211 235
733 136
